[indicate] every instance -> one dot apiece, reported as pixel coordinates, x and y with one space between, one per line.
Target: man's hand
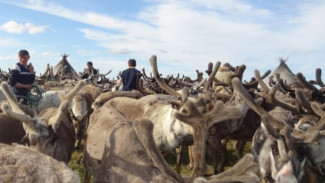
29 86
31 68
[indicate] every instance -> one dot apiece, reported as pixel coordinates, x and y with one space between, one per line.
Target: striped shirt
20 74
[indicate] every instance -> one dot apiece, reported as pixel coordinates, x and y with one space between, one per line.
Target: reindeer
304 92
280 146
22 164
168 132
81 109
115 153
120 154
101 155
52 131
12 131
241 129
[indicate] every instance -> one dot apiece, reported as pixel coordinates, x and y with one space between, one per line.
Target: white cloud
234 8
9 42
33 29
17 28
182 35
6 58
91 18
12 27
187 35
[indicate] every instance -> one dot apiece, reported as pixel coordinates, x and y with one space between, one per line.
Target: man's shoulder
16 67
131 70
127 70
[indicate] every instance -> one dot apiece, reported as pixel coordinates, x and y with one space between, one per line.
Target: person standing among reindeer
22 76
129 76
89 71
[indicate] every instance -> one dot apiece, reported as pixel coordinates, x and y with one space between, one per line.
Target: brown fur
104 97
12 131
245 171
286 141
113 152
152 107
201 122
21 164
81 109
52 132
241 130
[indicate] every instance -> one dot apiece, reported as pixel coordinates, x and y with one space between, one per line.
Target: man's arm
95 72
27 86
120 81
13 77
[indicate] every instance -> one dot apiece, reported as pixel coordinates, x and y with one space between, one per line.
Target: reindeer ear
273 165
186 118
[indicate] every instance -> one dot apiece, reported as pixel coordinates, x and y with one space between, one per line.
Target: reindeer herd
126 133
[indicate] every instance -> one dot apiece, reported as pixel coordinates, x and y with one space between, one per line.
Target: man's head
132 62
23 57
89 65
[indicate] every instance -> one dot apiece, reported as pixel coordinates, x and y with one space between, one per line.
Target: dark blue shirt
93 71
129 77
20 74
87 72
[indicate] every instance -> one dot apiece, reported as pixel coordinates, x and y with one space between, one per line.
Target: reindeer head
285 145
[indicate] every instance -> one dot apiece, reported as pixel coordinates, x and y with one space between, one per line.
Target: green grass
74 165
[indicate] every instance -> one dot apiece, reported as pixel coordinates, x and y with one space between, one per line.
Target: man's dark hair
132 62
23 53
90 63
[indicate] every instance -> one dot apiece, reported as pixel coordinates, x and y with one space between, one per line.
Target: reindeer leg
239 146
212 149
222 145
310 175
78 140
80 159
190 155
178 159
87 177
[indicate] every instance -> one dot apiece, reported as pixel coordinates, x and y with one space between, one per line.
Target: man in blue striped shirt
22 76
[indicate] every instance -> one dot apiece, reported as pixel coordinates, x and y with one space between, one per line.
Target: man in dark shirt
89 71
22 76
129 76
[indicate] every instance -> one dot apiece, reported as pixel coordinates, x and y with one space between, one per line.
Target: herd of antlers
285 122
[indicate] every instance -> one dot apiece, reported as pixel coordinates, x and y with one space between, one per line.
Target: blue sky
185 35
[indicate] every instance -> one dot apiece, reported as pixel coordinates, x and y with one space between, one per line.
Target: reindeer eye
184 111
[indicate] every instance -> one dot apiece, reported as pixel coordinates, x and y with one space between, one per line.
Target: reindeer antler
162 84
